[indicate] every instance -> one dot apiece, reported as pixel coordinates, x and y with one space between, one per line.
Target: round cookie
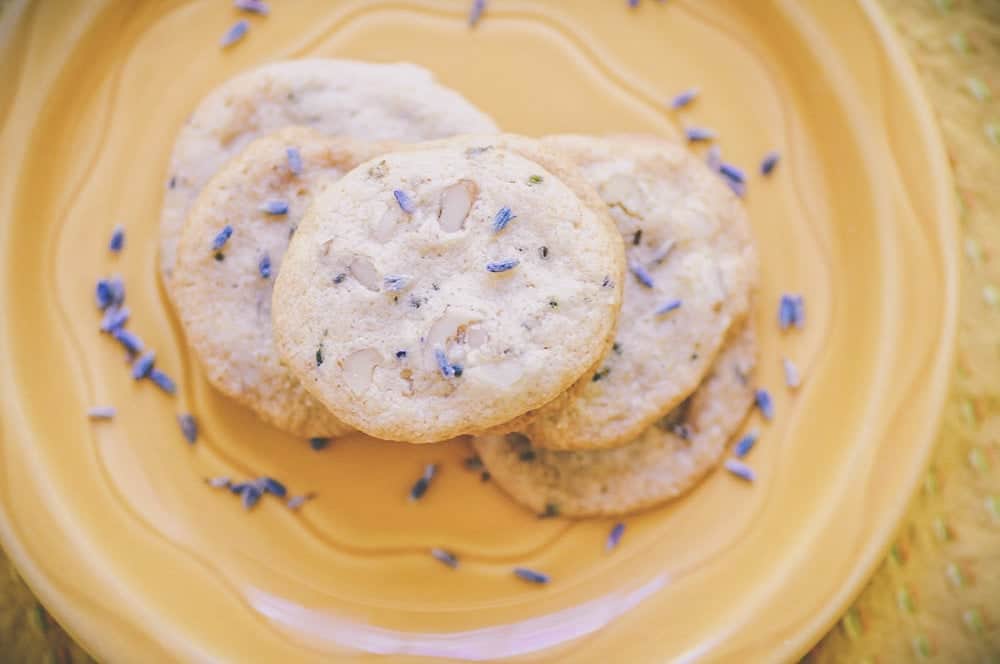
222 287
448 288
692 270
338 97
662 463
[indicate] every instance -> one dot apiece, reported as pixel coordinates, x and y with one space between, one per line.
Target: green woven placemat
937 597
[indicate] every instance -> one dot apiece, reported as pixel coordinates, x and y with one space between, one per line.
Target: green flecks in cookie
602 374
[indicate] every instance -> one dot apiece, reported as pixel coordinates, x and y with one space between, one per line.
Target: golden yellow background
937 597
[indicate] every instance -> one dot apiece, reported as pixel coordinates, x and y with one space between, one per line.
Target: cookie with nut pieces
229 256
448 288
365 100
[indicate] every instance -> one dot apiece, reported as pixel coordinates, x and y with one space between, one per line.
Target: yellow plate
112 524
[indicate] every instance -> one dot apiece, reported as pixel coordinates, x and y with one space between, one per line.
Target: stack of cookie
577 304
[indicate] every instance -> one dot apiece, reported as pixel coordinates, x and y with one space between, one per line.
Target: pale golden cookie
692 269
662 463
223 293
448 288
363 100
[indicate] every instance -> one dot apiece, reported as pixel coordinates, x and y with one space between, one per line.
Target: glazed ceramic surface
112 523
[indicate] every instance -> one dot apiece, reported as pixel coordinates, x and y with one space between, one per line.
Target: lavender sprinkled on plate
615 536
264 266
295 502
319 443
644 277
791 311
250 495
294 160
531 576
698 134
117 242
745 444
406 203
740 470
272 486
764 403
235 33
142 366
668 307
275 207
738 188
132 343
237 488
222 237
114 318
219 482
109 292
421 485
446 557
189 427
792 379
684 98
476 12
163 381
253 6
769 162
733 172
502 266
102 413
503 217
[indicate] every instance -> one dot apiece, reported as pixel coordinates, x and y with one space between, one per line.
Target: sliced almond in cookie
366 274
498 374
359 367
443 330
456 201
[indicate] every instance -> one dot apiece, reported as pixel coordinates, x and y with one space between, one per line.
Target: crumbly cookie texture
447 288
338 97
692 269
666 460
222 288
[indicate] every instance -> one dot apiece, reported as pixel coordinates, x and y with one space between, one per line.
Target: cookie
224 278
338 97
692 268
448 288
662 463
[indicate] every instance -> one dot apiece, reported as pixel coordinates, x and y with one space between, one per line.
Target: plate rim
83 622
874 553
